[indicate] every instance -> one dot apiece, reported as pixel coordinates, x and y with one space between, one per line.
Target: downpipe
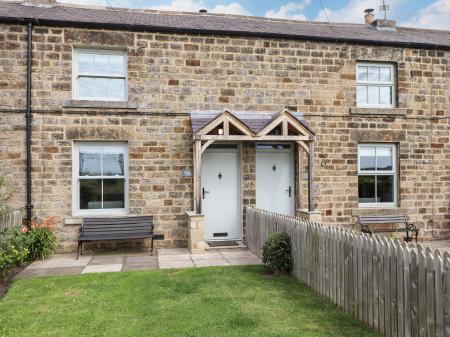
28 119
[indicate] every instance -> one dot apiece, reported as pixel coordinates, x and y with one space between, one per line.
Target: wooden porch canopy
211 126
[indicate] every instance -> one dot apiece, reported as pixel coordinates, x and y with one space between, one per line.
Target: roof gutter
28 118
163 29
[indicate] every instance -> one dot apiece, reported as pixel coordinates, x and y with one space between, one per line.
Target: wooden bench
120 228
369 222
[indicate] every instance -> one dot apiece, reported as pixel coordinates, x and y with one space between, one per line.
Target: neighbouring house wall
172 74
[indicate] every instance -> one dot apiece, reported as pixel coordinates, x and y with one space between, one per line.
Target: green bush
277 255
14 249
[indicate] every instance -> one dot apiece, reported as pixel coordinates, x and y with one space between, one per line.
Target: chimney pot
369 17
203 11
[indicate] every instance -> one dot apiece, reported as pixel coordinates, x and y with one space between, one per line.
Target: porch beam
285 127
301 169
254 138
311 177
304 146
197 151
208 143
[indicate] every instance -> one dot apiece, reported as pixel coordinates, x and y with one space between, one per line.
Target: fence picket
400 291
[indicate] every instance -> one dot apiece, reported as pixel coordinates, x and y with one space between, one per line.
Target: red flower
24 230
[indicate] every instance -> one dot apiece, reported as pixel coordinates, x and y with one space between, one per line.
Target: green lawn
219 301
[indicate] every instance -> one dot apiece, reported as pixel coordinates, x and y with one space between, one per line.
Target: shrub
41 239
14 248
277 253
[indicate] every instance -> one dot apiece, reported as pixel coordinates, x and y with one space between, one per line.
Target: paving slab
61 261
107 259
207 256
244 261
105 268
141 259
211 263
237 254
172 251
140 266
175 264
27 273
178 257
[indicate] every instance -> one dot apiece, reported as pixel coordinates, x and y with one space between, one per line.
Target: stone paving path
66 264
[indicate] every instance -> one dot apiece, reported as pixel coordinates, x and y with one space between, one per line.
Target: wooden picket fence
10 220
399 290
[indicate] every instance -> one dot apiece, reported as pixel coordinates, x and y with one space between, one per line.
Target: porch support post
301 169
310 177
197 152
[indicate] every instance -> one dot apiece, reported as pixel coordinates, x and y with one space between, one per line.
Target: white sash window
375 85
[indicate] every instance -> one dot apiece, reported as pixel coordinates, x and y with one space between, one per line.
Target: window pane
101 87
85 87
373 95
374 74
90 194
385 188
86 63
385 95
384 158
113 193
116 88
113 163
362 73
367 158
361 94
90 162
366 189
385 74
117 63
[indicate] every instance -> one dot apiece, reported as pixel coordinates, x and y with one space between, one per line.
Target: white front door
220 193
274 178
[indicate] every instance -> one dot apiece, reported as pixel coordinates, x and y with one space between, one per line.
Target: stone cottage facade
115 89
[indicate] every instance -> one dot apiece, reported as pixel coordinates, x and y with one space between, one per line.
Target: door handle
204 192
289 190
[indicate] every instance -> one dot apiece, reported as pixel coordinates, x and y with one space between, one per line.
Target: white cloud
434 16
231 8
196 5
292 10
353 11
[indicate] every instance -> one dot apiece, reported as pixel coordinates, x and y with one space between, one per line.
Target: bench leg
78 249
152 248
417 234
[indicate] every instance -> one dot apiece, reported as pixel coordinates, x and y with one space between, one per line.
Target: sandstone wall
172 74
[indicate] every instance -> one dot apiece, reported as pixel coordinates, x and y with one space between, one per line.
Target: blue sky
433 14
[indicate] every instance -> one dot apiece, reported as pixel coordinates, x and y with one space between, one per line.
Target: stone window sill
394 210
378 111
98 105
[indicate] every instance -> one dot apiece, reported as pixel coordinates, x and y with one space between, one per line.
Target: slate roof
254 120
150 20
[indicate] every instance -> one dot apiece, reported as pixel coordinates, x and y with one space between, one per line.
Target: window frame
76 75
393 172
76 211
377 84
